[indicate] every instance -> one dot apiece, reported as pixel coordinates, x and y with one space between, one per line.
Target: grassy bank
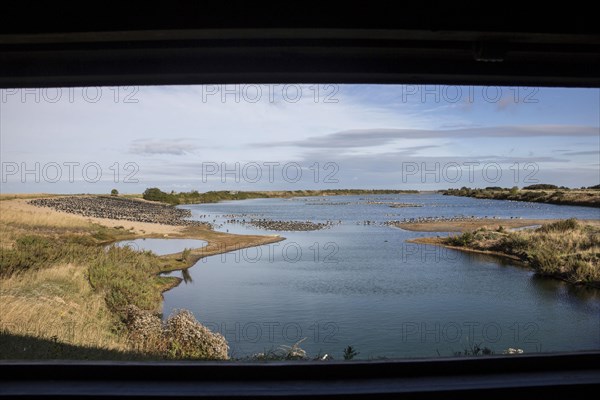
472 224
65 295
194 197
560 196
565 249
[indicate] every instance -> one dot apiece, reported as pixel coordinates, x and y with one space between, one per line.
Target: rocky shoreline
120 209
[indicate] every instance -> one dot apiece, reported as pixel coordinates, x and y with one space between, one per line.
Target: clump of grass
180 337
545 260
564 225
187 338
185 254
464 239
350 352
475 350
144 330
583 271
295 352
284 353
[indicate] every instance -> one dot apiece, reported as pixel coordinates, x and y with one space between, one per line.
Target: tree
114 192
154 194
514 190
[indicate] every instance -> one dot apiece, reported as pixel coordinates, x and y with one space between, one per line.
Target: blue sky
273 137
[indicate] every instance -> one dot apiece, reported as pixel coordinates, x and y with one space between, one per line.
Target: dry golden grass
57 304
17 211
51 307
13 196
18 218
565 249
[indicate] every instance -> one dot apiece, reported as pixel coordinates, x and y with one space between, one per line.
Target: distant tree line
538 186
541 193
195 197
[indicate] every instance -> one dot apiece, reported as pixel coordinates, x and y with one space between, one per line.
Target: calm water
363 285
162 246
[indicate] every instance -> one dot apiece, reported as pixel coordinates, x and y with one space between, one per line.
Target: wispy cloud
174 147
376 137
582 153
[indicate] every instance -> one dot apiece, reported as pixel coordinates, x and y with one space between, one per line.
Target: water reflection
161 246
382 295
566 291
186 276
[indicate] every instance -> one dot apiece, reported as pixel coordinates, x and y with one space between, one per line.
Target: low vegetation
180 337
565 249
539 193
350 352
65 295
55 313
296 353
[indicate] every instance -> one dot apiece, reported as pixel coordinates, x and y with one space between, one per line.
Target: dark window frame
188 43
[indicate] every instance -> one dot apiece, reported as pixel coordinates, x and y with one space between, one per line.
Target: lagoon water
161 246
363 285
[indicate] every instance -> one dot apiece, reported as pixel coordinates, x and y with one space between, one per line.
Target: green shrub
33 252
560 226
461 240
545 260
154 194
584 271
350 352
126 277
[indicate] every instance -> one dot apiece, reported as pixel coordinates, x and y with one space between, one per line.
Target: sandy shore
462 226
